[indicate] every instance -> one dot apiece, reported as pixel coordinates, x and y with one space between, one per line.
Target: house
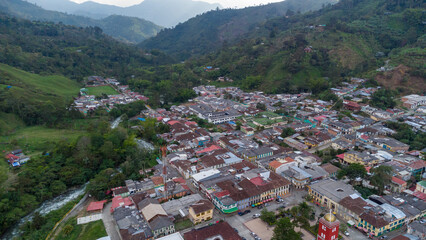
390 144
421 187
381 219
330 169
351 207
362 158
329 193
201 211
156 217
417 229
131 225
297 176
280 165
96 207
221 230
397 185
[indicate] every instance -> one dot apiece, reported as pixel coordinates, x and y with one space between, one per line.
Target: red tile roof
222 194
257 181
119 201
398 181
96 206
172 122
341 156
209 149
275 164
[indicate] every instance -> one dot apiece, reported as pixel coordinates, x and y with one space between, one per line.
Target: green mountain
127 29
313 51
48 48
210 31
166 13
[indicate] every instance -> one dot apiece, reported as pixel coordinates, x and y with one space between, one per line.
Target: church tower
328 228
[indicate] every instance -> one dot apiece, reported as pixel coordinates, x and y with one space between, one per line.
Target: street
109 223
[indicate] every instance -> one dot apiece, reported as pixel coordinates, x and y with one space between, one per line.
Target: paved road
109 223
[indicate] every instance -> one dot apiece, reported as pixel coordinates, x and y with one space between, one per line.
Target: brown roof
330 168
157 180
355 205
274 164
375 220
223 229
247 188
120 190
202 206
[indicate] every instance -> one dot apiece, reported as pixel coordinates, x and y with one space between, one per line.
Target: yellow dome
330 217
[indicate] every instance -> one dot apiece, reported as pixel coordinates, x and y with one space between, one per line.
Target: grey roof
142 204
160 222
335 190
131 220
417 226
172 207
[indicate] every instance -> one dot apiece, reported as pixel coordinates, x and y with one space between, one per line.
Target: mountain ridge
165 13
127 29
208 32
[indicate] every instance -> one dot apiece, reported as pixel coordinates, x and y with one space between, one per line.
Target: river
45 208
145 145
117 121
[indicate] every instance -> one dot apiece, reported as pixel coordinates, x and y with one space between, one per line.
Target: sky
224 3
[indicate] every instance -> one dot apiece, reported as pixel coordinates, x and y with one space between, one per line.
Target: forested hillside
74 52
310 52
127 29
210 31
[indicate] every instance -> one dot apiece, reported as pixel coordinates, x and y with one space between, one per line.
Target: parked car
247 211
235 230
346 233
260 207
256 215
241 213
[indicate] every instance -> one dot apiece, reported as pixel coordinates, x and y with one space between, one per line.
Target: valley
175 119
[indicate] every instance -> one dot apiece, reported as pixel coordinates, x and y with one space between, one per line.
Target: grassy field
37 139
183 225
98 91
89 231
52 86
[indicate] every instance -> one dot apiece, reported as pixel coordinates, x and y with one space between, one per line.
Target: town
107 93
232 158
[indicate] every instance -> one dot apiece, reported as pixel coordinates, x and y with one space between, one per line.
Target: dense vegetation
313 51
74 52
35 99
69 164
212 30
383 99
405 134
127 29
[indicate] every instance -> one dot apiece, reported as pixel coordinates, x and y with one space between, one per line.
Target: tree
382 176
353 171
268 217
285 230
38 221
287 132
261 106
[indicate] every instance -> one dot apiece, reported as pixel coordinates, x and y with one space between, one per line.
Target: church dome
330 217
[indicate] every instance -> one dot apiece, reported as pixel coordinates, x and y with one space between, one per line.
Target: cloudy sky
224 3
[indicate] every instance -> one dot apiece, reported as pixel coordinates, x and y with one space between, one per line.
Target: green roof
423 183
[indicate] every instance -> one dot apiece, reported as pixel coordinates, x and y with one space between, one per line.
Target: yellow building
201 211
361 158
